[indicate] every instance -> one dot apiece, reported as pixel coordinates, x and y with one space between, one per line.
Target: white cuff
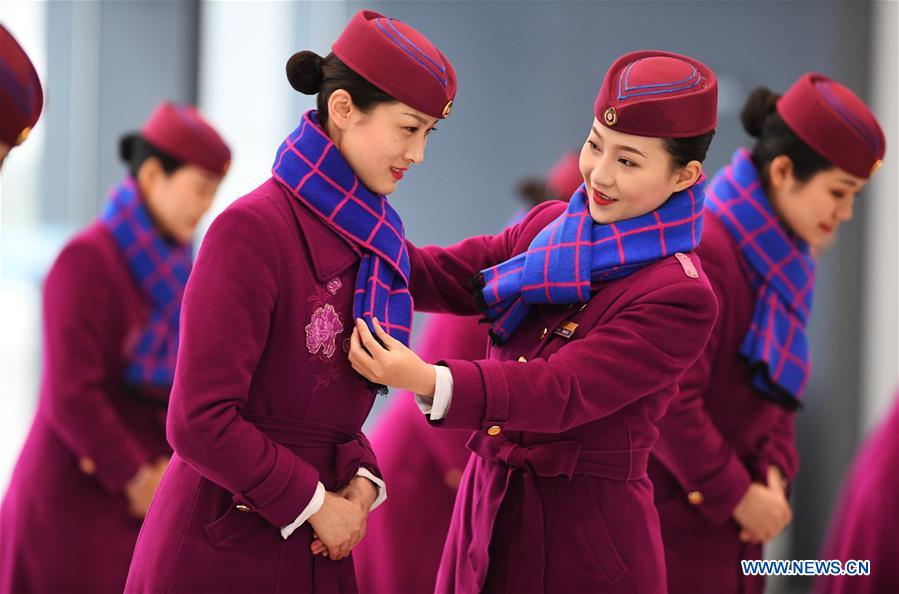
424 404
443 395
315 504
318 499
379 484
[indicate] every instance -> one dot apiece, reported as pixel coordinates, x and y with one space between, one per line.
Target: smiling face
628 176
381 144
813 209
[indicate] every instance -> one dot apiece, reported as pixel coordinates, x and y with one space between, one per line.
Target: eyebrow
622 147
423 121
849 182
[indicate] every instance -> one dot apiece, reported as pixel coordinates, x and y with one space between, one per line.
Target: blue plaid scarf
161 269
783 274
311 168
574 251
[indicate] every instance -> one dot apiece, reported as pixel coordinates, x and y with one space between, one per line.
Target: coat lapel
331 255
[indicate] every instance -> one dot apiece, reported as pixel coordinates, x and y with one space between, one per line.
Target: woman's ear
780 172
687 175
149 175
340 109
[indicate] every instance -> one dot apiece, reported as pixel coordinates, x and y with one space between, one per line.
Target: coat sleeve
779 449
615 364
440 279
226 315
369 460
694 451
77 370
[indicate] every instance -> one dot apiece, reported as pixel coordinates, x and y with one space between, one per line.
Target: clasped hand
339 524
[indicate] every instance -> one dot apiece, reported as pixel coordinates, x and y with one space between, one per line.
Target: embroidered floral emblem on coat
322 331
334 285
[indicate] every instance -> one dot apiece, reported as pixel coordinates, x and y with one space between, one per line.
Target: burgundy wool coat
718 436
264 405
557 498
64 521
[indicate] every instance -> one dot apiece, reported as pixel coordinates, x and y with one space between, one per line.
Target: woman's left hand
360 491
389 361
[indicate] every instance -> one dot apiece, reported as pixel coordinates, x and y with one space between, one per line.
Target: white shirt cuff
379 484
315 504
443 395
318 499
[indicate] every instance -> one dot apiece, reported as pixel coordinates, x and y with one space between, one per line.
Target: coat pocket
593 540
227 524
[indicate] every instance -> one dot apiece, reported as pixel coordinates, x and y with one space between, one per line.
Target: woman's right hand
762 513
141 488
339 525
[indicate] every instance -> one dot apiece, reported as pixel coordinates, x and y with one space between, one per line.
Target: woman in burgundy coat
266 411
727 452
97 447
596 307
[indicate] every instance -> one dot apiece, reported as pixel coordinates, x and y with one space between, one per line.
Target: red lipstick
601 199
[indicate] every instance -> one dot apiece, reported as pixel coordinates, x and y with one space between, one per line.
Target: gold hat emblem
447 108
226 167
23 136
875 167
610 116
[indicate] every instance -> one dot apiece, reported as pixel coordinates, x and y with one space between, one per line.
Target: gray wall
109 65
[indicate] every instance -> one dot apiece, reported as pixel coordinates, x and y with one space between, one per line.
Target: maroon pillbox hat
835 123
659 94
398 60
21 96
565 176
180 131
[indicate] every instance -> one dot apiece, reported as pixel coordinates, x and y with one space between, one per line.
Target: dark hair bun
533 190
127 146
759 105
304 71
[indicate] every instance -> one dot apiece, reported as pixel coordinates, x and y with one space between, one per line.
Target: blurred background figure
559 184
528 72
21 95
865 523
96 450
425 465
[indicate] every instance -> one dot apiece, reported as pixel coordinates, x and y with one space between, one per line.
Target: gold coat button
694 497
494 430
87 465
452 478
242 508
23 136
522 359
